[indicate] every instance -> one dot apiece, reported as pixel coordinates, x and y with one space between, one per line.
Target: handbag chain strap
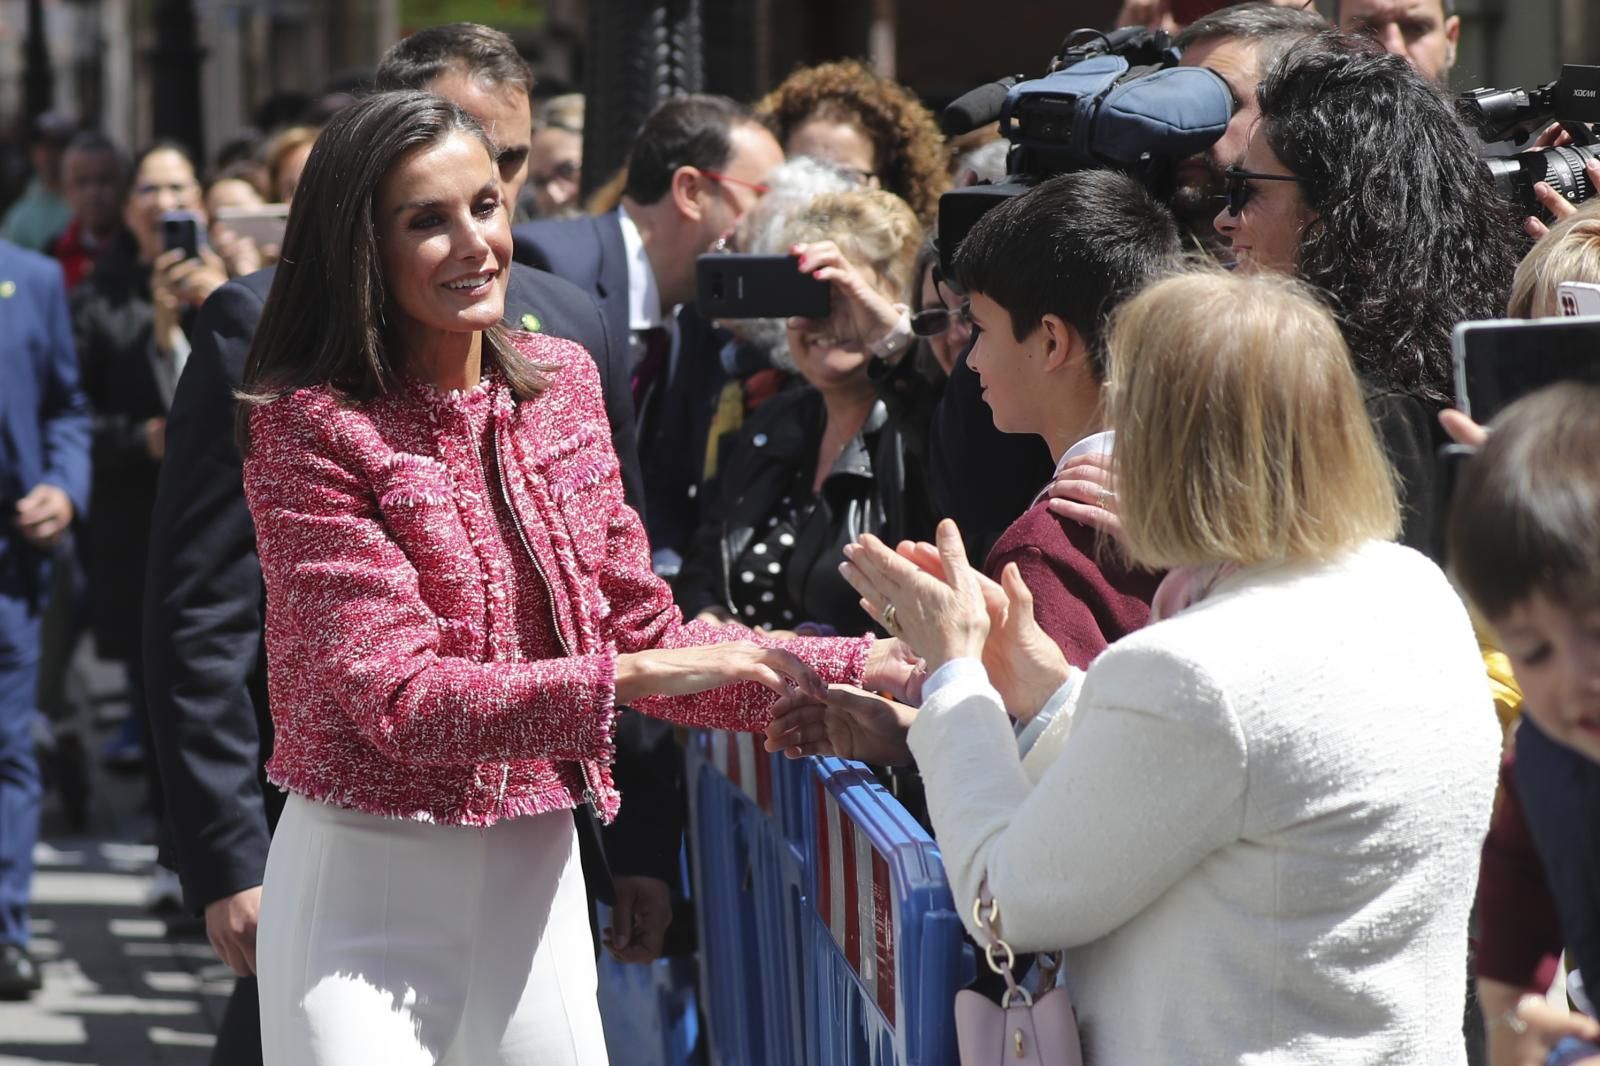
998 954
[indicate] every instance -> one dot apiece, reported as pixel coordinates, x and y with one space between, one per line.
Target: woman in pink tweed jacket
457 601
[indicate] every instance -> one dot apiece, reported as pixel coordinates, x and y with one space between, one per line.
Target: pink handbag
1019 1031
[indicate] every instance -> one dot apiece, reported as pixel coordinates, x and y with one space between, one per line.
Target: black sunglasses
933 321
1237 191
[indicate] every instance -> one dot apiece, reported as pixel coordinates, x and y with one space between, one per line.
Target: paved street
122 986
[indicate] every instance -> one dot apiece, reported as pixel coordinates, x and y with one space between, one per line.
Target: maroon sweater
1083 598
1519 932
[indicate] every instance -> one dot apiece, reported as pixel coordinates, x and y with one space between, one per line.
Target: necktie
657 347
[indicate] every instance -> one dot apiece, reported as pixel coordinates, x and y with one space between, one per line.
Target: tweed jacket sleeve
347 604
643 615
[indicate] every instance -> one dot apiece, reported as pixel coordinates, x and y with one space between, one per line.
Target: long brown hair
325 318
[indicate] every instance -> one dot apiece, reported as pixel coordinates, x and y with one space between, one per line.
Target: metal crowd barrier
828 935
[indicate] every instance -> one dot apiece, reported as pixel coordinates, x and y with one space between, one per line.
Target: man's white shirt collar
644 299
1094 442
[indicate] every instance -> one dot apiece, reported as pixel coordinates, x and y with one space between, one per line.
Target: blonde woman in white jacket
1253 825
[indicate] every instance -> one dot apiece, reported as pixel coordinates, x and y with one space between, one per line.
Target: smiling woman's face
444 238
1265 235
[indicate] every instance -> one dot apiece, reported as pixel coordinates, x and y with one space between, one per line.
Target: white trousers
399 943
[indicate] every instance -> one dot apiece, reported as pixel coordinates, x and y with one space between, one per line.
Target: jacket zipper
590 796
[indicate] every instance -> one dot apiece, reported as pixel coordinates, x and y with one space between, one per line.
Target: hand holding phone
183 230
739 285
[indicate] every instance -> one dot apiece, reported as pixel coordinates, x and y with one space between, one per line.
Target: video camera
1516 115
1113 100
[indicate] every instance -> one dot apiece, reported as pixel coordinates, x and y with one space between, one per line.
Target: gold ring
891 620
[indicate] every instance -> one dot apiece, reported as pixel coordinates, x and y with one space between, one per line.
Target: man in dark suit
44 485
696 166
204 652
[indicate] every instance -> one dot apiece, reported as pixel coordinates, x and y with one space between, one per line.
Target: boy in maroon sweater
1043 272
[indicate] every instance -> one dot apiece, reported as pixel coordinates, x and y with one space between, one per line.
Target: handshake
941 610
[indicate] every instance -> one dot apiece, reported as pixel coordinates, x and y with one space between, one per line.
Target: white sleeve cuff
1060 700
969 670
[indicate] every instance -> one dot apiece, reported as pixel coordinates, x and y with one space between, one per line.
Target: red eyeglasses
756 186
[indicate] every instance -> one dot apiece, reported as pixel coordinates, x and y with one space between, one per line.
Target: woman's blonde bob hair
1242 436
1569 252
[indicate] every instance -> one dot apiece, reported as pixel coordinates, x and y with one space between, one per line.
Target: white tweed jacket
1258 837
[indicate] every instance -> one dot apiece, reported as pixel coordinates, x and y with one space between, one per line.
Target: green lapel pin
532 323
8 289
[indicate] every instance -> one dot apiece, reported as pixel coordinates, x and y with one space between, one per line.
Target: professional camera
1516 115
1116 100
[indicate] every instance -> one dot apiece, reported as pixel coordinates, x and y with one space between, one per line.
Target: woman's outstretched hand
685 671
849 723
940 618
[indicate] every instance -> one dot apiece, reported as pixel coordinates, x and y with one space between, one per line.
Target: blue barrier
827 931
748 891
886 948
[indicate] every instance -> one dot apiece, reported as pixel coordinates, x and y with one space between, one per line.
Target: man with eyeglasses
696 166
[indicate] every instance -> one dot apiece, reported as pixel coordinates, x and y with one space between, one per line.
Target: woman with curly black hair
872 128
1360 179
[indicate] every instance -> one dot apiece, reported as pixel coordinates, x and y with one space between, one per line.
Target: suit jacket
44 418
589 252
113 322
204 657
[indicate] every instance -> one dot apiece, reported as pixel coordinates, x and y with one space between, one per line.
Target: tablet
1499 361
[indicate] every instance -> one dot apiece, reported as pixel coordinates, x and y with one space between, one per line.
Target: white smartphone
1579 298
263 224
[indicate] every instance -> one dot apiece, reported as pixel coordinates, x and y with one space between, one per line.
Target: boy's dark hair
1075 246
479 52
1526 515
685 131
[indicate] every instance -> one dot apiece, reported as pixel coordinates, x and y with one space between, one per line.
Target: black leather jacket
874 487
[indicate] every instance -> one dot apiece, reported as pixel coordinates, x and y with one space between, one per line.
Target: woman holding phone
458 601
816 467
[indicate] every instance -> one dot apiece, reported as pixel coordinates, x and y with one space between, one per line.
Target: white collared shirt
644 297
1101 442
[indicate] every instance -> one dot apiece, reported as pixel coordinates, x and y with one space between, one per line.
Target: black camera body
1116 100
1516 115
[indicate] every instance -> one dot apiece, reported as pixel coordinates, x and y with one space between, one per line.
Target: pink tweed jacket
397 682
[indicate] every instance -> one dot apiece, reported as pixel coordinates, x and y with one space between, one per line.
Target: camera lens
1563 171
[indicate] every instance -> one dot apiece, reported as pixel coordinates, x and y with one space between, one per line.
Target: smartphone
1500 361
739 285
183 229
1579 298
264 224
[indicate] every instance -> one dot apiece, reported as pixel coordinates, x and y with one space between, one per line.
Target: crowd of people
1114 539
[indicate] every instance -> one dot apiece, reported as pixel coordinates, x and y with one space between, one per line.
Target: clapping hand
1023 663
940 617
